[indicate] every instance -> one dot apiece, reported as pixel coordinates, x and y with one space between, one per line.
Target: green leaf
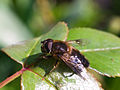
58 81
32 81
102 51
21 51
61 78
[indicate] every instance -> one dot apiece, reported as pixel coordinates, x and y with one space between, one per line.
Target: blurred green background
25 19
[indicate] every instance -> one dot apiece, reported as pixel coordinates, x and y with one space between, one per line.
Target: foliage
25 19
26 53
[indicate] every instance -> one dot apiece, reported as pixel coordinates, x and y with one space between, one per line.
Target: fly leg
45 56
55 66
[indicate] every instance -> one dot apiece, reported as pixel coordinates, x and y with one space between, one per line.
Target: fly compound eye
46 45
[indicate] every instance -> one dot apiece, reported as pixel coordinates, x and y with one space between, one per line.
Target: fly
63 51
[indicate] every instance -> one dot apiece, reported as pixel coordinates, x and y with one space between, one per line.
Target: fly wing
75 64
80 42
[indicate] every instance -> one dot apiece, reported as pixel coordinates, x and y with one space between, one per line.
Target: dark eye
46 45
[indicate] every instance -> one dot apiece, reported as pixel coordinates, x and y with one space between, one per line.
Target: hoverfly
63 51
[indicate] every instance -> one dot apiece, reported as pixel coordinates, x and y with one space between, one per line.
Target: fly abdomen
80 57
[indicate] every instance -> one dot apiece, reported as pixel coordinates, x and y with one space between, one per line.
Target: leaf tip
67 30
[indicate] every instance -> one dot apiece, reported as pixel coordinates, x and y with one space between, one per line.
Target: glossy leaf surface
102 50
61 78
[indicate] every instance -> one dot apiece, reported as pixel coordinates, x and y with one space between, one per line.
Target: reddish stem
9 79
17 74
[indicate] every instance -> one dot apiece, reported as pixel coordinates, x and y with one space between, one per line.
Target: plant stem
9 79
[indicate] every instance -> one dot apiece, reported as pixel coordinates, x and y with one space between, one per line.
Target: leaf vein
99 49
30 51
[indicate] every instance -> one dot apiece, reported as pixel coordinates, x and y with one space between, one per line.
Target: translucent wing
75 64
81 42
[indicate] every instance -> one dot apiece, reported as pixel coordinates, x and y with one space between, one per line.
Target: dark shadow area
7 66
111 83
46 64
